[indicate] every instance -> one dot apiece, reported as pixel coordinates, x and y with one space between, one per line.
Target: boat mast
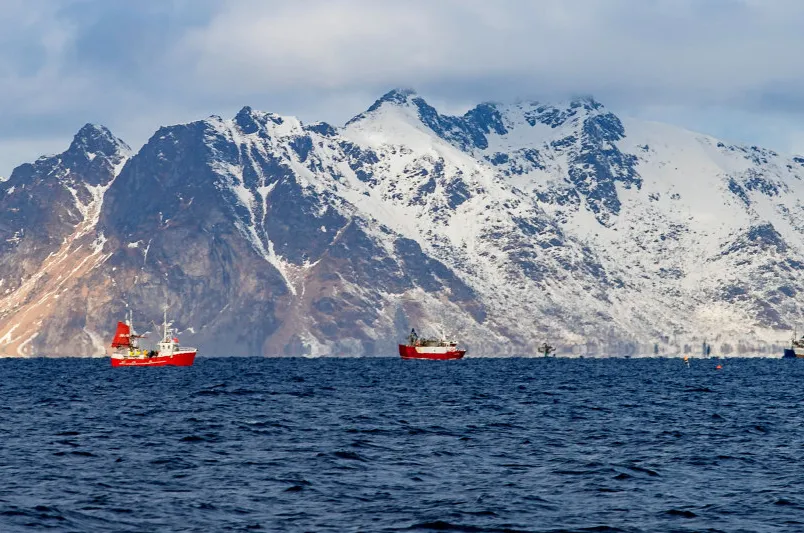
132 334
165 325
131 331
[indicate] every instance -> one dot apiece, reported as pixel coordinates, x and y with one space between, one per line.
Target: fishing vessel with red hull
433 349
127 352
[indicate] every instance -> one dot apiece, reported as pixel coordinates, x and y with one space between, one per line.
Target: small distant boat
706 349
545 349
796 350
434 349
127 352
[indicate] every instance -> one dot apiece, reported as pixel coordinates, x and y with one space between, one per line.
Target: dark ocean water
389 445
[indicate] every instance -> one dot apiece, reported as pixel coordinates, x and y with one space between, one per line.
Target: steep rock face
174 241
507 226
48 212
43 202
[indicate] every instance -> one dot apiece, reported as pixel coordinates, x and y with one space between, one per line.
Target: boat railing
434 342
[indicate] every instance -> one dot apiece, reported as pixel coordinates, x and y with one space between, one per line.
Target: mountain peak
587 102
97 140
251 121
399 97
245 120
394 96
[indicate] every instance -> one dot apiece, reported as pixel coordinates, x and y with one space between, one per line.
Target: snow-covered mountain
507 226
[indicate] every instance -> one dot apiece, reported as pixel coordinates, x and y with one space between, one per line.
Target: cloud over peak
136 66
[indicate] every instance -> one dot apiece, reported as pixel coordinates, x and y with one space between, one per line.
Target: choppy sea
497 445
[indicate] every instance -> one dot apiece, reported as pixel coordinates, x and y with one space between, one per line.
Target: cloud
673 52
65 63
729 67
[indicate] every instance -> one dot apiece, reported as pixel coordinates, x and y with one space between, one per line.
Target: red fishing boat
436 349
127 352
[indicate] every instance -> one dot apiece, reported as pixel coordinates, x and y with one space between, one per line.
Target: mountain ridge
509 225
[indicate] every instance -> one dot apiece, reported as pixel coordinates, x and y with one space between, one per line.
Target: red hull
419 352
177 359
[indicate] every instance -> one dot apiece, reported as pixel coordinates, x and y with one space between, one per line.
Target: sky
729 68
